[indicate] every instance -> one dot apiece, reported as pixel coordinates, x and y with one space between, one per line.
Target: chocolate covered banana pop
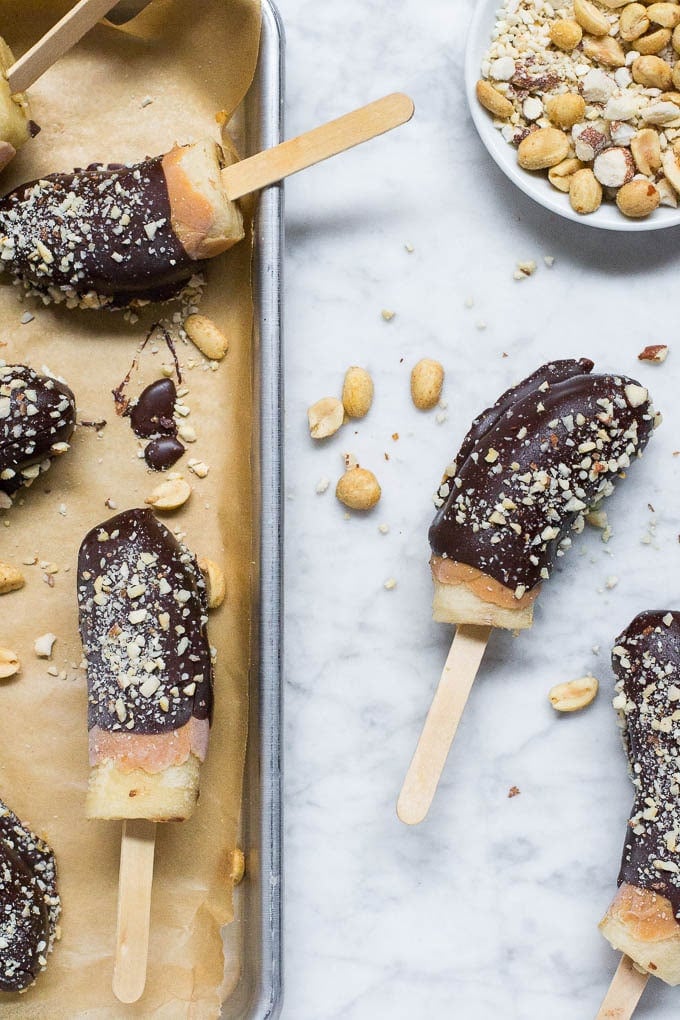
643 919
29 903
143 616
37 418
528 470
117 235
121 236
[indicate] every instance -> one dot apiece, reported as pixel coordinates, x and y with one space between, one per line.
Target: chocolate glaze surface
37 418
161 454
100 236
143 617
152 414
533 464
29 903
646 661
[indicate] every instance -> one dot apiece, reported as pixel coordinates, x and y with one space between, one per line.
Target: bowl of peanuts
578 102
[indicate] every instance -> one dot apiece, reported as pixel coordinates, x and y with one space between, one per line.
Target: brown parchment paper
191 59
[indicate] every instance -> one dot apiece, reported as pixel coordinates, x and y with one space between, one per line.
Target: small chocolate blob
162 453
152 415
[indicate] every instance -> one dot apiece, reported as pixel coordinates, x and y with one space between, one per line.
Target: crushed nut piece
43 645
654 352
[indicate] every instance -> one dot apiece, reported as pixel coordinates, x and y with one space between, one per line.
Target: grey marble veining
489 909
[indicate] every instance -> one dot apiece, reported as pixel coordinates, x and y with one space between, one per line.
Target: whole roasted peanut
633 22
614 4
646 150
652 72
9 663
566 35
171 494
357 392
566 109
11 578
590 18
574 694
427 379
675 40
358 489
207 336
654 42
664 14
585 192
325 417
560 175
670 97
493 100
606 50
637 199
676 74
215 582
543 148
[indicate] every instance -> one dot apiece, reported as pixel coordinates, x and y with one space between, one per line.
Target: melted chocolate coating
36 414
533 464
161 454
143 617
152 415
646 660
29 903
103 235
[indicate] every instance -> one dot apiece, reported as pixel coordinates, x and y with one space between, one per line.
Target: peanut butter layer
647 915
484 587
152 752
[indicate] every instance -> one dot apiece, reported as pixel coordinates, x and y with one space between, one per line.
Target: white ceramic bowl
536 185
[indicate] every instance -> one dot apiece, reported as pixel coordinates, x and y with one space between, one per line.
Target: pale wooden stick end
624 993
134 905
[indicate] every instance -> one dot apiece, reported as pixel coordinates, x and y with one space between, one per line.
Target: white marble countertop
490 908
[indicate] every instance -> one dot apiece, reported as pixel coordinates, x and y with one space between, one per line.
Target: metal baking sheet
253 941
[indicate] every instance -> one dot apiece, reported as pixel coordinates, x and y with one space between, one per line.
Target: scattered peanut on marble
325 417
574 694
358 489
357 392
427 379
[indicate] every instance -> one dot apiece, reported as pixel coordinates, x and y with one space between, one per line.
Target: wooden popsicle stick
60 38
624 993
134 906
458 676
296 154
